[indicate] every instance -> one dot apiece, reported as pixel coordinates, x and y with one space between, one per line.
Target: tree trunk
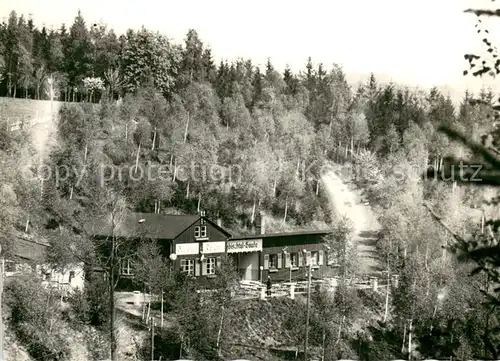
187 191
144 303
317 187
149 305
220 331
404 339
187 127
410 338
386 313
286 210
85 154
112 334
274 187
253 209
154 140
199 202
340 330
27 224
324 339
137 158
126 132
71 193
9 86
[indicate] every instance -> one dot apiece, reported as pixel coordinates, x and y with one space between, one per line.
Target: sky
414 42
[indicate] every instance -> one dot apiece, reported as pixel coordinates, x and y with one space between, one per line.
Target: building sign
214 247
183 249
254 245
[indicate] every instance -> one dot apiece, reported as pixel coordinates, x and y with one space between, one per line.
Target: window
187 265
332 257
10 266
196 232
71 276
314 258
203 231
127 268
294 259
211 266
273 261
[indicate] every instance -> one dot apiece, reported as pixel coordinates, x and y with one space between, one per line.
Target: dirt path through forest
345 200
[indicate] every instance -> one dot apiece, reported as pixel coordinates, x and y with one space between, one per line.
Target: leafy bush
90 306
36 319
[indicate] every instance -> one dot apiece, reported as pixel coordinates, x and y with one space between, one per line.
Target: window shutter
320 260
197 267
300 257
280 259
204 267
287 260
218 262
308 258
266 261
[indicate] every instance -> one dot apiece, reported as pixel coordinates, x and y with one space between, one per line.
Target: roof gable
216 226
156 226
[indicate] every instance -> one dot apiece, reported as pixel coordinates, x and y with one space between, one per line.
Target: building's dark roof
27 249
156 226
282 234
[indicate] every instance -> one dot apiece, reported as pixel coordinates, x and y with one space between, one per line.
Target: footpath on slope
44 127
345 200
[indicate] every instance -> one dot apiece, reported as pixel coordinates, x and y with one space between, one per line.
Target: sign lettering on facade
254 245
214 247
187 249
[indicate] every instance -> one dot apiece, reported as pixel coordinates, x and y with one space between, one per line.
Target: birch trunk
187 127
386 313
286 211
340 330
404 339
137 158
253 210
410 338
220 331
154 140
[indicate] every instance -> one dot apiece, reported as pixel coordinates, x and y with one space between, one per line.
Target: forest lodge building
195 244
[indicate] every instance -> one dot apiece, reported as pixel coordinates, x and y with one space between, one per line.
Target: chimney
259 224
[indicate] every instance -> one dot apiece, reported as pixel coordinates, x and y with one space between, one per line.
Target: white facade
71 279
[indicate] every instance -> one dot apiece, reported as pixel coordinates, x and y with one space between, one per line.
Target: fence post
292 291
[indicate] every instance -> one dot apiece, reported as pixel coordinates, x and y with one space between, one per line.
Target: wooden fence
254 289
